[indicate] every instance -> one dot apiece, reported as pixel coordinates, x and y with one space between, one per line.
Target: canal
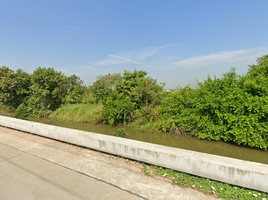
187 142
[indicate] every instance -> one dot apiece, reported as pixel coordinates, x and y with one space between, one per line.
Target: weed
145 170
219 189
21 112
121 133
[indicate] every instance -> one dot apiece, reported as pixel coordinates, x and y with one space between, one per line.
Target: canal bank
233 171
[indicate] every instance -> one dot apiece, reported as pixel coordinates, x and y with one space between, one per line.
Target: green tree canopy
260 68
104 85
14 86
49 88
131 92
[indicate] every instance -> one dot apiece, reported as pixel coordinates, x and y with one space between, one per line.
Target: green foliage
145 118
14 86
91 113
21 112
43 91
231 108
121 133
6 109
110 79
48 89
176 110
75 90
101 90
219 189
103 86
130 93
140 90
88 96
145 170
260 68
117 109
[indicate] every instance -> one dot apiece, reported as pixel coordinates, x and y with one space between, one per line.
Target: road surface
34 167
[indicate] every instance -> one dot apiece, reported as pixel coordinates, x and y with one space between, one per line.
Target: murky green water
178 141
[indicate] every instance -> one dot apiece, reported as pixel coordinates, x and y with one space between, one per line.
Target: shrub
75 90
14 86
231 108
88 96
140 90
121 133
130 93
117 109
48 88
104 85
101 90
260 68
21 112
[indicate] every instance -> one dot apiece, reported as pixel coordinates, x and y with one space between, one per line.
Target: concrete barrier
233 171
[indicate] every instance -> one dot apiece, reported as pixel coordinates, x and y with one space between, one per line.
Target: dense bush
88 96
21 112
75 90
117 109
101 90
260 68
47 91
176 111
103 86
139 88
42 92
231 108
130 93
14 86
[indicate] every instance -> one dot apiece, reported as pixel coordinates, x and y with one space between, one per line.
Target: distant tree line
41 92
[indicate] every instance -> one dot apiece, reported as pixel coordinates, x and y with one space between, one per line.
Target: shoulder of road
34 167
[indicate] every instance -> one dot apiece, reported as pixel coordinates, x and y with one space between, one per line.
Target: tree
75 89
47 91
131 92
110 79
104 85
138 88
14 86
260 68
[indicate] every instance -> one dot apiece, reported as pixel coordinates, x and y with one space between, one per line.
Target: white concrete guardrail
233 171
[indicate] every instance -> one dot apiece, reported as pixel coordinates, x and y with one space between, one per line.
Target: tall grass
6 110
91 113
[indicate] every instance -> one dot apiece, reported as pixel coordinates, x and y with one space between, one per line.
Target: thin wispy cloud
245 56
140 57
109 61
128 60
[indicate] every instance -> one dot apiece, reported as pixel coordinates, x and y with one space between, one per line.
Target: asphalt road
34 167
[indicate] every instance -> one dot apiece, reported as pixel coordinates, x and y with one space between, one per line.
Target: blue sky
176 42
